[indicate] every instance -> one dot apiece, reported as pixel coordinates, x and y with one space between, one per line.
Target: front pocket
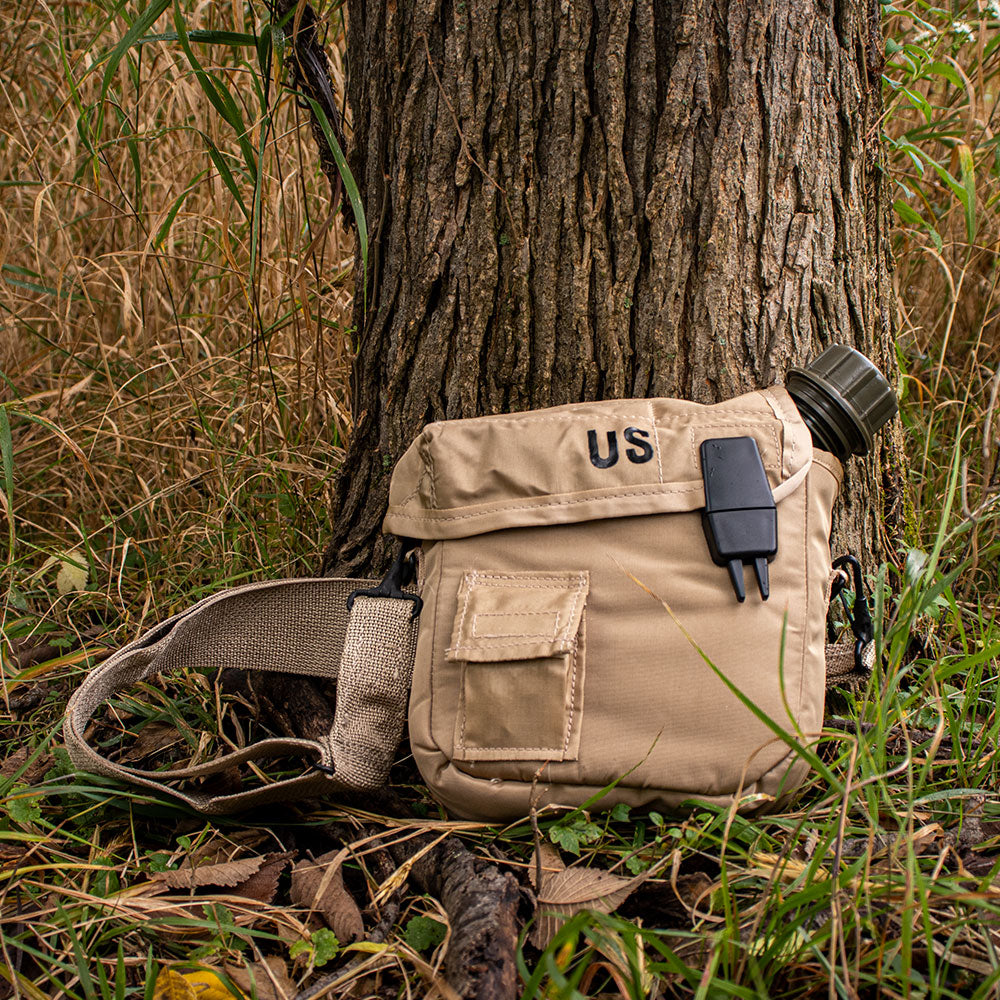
519 643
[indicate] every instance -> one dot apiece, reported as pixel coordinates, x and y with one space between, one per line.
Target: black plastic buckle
740 518
401 573
861 619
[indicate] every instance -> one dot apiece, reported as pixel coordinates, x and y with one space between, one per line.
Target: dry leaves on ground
565 891
318 886
254 878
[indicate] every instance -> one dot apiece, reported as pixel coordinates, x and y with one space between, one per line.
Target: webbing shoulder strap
293 626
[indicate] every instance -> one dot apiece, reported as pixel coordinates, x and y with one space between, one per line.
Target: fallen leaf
205 984
172 985
152 737
71 576
263 884
318 886
33 772
227 873
546 858
570 890
267 980
208 985
692 889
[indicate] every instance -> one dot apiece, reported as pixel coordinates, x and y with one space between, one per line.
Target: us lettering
641 449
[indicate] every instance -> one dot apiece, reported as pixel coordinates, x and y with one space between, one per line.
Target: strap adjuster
861 619
401 573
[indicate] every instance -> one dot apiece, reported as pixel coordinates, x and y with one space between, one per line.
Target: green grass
173 411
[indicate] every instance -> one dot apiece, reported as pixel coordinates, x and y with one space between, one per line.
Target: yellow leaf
208 985
71 576
172 985
205 984
370 947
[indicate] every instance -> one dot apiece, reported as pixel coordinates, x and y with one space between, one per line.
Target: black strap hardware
860 620
402 572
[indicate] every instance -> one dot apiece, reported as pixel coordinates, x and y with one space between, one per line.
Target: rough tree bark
592 199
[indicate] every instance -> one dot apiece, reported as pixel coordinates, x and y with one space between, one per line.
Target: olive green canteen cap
843 398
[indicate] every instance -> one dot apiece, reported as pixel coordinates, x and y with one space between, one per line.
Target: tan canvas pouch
575 636
576 633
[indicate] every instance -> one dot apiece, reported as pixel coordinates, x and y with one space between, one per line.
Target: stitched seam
572 695
637 492
695 412
435 619
808 581
571 644
502 750
513 635
416 489
572 613
504 635
507 614
429 459
470 581
516 418
461 707
656 443
774 467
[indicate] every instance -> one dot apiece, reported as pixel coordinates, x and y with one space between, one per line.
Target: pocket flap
517 616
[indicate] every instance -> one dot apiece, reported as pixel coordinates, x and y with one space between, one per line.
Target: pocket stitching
474 578
578 583
513 635
569 719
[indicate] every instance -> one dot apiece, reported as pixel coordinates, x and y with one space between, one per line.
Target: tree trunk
585 200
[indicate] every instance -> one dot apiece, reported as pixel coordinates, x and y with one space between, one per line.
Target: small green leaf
908 214
424 933
566 838
620 813
168 221
236 39
948 72
353 194
326 947
636 865
23 808
301 947
570 836
217 93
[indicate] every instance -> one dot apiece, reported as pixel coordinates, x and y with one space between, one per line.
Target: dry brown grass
947 270
178 407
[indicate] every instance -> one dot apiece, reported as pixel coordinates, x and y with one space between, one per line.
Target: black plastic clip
860 620
740 518
401 573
